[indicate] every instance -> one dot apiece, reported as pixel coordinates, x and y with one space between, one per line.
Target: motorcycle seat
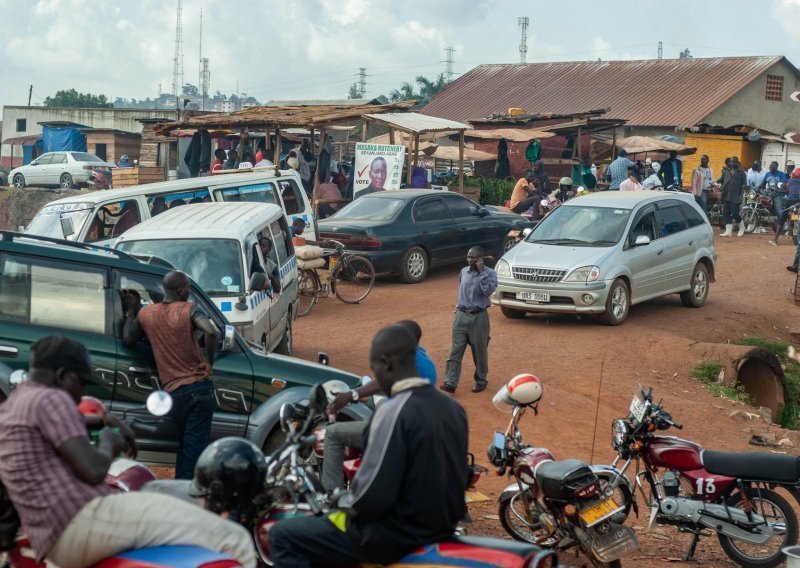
753 465
477 551
558 479
179 488
169 556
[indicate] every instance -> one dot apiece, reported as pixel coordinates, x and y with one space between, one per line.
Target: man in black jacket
409 490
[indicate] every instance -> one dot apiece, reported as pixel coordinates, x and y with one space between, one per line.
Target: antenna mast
523 40
177 68
660 50
449 61
362 82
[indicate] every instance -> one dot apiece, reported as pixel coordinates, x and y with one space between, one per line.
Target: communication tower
523 40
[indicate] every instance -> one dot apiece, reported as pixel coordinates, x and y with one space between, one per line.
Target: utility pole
30 93
523 40
449 61
200 65
205 80
177 62
660 50
362 82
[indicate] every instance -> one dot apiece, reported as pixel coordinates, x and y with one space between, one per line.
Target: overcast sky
278 49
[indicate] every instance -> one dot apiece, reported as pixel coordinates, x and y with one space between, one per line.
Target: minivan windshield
575 225
371 209
215 264
47 222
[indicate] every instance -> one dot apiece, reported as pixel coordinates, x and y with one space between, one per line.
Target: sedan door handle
8 351
691 243
141 370
659 252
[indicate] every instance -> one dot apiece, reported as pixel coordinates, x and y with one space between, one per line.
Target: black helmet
229 474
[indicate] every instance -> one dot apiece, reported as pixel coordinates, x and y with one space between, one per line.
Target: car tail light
361 241
587 490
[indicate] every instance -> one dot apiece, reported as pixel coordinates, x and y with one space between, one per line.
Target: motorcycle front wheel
512 517
751 219
778 513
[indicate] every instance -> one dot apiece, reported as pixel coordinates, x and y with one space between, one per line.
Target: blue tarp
63 139
29 151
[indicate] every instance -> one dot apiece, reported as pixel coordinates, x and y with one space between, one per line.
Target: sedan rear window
573 225
372 209
85 157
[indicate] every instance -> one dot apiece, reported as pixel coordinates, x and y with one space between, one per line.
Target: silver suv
602 253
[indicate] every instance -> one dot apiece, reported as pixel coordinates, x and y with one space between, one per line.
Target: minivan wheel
66 181
696 295
19 181
617 304
512 313
415 265
285 346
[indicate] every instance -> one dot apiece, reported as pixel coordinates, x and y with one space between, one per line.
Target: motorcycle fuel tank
528 459
674 453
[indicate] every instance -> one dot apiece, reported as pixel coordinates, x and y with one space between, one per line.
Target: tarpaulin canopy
451 153
510 134
63 138
641 144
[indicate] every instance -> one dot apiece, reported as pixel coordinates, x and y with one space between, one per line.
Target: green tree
190 90
73 98
426 89
405 93
354 92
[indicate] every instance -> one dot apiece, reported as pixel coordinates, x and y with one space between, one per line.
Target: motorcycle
124 475
724 492
289 491
546 206
99 177
558 504
757 210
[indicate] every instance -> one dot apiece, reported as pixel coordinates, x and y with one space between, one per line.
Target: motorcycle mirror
544 203
17 378
317 400
286 415
499 441
159 403
526 231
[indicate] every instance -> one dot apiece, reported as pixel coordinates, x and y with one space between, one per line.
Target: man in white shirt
653 181
755 175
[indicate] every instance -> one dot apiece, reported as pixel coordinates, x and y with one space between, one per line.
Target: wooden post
240 151
578 143
410 146
461 161
391 136
277 153
315 192
364 126
416 151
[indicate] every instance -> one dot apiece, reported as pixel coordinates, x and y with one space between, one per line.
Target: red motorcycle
124 475
558 504
724 492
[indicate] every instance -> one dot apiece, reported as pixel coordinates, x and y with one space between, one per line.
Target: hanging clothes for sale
192 156
503 167
324 161
205 151
534 151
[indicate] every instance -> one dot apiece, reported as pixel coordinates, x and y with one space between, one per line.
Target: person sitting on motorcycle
564 189
409 489
780 202
524 196
55 477
341 435
653 181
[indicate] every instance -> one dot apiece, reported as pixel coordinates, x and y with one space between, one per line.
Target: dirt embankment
18 206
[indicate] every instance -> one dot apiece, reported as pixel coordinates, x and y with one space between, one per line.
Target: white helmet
522 390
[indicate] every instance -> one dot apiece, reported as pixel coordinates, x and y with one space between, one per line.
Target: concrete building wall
751 107
113 118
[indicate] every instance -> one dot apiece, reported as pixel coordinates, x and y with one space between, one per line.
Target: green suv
52 286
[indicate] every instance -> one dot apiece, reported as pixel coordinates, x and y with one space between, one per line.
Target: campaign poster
378 167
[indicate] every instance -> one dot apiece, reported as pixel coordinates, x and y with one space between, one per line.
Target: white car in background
61 169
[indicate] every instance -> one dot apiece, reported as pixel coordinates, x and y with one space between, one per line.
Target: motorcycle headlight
503 268
619 431
584 274
751 194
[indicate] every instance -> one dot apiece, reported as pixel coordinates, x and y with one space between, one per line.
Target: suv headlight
584 274
503 268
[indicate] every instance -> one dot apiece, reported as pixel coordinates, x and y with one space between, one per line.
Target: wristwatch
354 394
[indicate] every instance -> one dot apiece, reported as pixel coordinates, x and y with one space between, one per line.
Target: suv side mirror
258 282
228 338
67 227
642 240
482 212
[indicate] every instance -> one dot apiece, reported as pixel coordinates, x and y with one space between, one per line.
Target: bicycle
349 276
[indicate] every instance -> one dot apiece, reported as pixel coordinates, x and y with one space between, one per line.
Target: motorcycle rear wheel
510 512
777 511
751 219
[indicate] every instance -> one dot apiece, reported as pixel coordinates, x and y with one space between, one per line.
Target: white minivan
217 244
102 216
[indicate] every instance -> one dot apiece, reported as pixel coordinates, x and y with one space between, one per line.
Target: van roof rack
11 236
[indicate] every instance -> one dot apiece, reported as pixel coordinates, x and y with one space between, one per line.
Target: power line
523 40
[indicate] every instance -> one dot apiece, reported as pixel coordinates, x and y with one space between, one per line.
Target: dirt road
750 298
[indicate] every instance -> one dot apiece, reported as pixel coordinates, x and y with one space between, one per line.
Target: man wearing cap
170 326
55 477
789 167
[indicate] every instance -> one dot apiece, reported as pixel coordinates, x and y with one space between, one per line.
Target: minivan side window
282 239
113 219
160 203
293 202
693 218
670 220
33 291
255 193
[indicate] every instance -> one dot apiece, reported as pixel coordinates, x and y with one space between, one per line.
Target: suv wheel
617 304
697 293
512 313
285 346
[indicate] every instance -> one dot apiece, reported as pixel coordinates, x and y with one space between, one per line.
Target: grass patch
790 417
708 372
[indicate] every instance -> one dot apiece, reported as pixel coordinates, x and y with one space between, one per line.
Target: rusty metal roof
416 122
652 92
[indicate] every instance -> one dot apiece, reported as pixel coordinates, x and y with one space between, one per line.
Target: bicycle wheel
353 279
307 290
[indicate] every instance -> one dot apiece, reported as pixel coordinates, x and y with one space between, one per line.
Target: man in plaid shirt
55 477
617 171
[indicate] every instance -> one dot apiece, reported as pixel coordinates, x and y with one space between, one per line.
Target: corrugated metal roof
28 140
653 92
417 122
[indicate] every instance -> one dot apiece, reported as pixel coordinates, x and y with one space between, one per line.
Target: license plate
599 512
638 409
533 297
795 217
332 262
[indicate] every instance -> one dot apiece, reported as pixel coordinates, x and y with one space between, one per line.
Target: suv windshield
215 264
85 157
574 225
373 209
47 222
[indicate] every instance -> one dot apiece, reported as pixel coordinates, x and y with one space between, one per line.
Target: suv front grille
532 274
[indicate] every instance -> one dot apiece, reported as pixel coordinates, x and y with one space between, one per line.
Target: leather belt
470 311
